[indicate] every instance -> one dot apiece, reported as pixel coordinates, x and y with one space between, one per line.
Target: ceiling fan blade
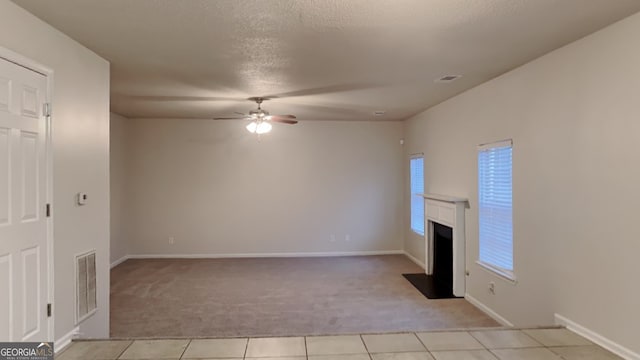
292 117
229 118
324 90
284 121
179 98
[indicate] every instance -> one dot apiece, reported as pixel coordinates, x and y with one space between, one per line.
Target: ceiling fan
261 119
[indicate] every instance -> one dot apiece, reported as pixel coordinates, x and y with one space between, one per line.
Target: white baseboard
61 343
597 338
265 255
415 260
487 310
120 261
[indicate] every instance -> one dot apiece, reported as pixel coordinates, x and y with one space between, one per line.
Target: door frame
29 64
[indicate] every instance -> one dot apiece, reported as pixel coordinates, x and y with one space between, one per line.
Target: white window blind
495 207
417 188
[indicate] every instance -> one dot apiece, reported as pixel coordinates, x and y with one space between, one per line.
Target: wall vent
86 286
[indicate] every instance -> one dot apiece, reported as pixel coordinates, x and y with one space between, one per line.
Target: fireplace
443 257
445 242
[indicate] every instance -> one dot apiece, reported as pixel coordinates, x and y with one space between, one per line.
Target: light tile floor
490 344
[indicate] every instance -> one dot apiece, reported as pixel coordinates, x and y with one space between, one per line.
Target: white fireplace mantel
449 211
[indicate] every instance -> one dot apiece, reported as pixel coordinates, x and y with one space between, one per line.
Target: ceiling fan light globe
252 127
263 128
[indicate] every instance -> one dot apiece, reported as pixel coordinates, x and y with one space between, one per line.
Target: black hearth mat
429 287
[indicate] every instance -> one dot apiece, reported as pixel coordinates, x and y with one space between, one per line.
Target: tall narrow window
495 207
417 189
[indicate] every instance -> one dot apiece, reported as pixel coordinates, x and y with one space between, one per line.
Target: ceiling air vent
448 78
379 113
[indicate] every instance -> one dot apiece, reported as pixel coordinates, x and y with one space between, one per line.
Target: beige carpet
277 296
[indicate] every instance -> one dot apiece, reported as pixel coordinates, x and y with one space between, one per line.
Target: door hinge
46 109
48 310
48 210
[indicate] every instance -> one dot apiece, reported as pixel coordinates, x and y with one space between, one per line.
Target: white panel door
23 223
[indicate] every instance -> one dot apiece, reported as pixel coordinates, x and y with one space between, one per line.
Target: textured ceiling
318 59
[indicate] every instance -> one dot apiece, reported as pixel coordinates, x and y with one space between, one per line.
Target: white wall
80 160
119 199
218 190
574 118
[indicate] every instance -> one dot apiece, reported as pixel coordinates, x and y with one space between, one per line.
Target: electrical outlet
172 240
347 237
332 237
492 288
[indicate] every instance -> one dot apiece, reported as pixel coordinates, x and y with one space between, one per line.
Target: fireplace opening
438 285
443 257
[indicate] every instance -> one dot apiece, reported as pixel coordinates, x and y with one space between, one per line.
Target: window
417 189
495 207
